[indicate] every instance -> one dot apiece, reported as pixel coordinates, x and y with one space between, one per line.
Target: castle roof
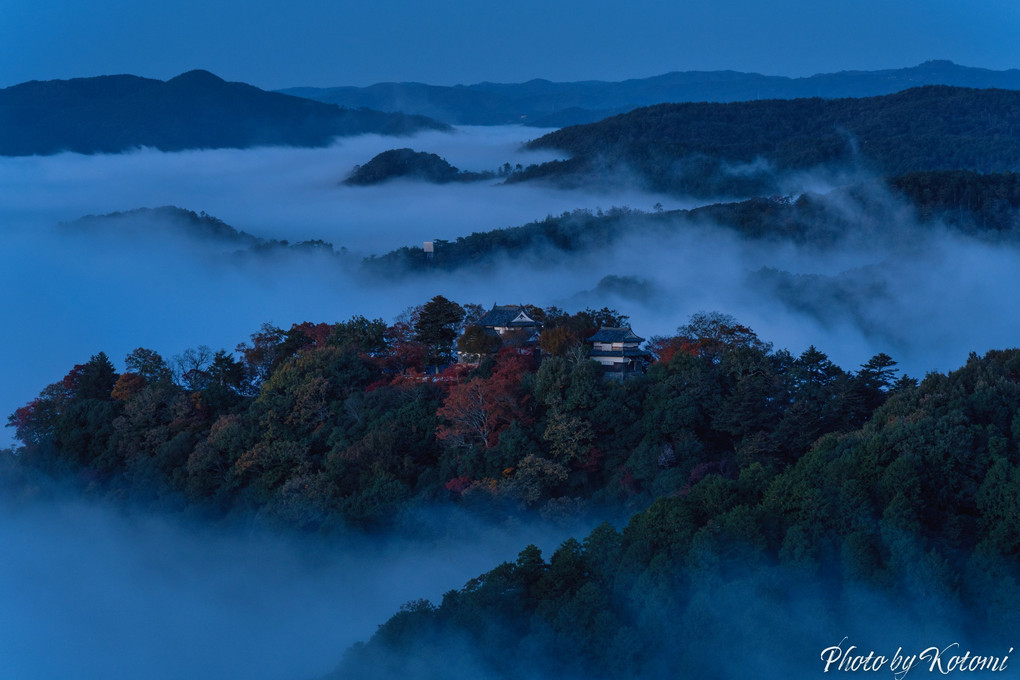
610 334
507 316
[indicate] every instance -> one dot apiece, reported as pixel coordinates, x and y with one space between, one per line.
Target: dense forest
709 149
758 476
973 201
324 427
881 531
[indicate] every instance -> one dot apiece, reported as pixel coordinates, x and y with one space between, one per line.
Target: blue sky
313 42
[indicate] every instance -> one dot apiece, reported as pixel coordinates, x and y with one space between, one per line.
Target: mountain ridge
194 110
737 148
545 103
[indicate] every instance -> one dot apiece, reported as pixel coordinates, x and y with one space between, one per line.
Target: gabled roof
506 316
610 334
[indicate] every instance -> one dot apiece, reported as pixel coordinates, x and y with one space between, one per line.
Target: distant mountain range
547 104
109 114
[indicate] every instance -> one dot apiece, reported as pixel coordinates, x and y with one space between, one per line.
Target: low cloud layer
70 298
925 296
295 193
92 593
141 597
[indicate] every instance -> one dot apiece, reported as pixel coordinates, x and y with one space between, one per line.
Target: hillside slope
738 148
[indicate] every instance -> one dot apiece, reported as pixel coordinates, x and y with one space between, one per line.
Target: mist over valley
169 290
241 443
130 594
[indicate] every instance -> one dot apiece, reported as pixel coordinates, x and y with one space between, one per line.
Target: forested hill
166 220
321 427
550 104
736 148
167 225
109 114
907 528
411 164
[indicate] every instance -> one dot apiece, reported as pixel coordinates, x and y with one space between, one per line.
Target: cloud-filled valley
926 296
129 595
264 421
69 298
843 262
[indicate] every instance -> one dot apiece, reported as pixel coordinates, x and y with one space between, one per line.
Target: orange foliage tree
477 411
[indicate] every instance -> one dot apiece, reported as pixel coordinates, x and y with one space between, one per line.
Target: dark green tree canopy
437 327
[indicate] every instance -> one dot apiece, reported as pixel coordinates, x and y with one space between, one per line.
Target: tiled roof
504 315
609 334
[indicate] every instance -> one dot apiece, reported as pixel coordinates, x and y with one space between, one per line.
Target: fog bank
94 594
70 298
925 295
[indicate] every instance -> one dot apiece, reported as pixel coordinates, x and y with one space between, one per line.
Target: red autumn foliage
453 374
459 484
405 354
665 348
317 333
22 417
477 411
70 381
513 363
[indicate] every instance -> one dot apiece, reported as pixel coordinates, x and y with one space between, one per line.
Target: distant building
507 319
502 326
618 351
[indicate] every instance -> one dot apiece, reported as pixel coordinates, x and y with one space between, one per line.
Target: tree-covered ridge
735 148
325 426
974 201
573 231
171 224
411 164
906 525
985 205
195 110
166 219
